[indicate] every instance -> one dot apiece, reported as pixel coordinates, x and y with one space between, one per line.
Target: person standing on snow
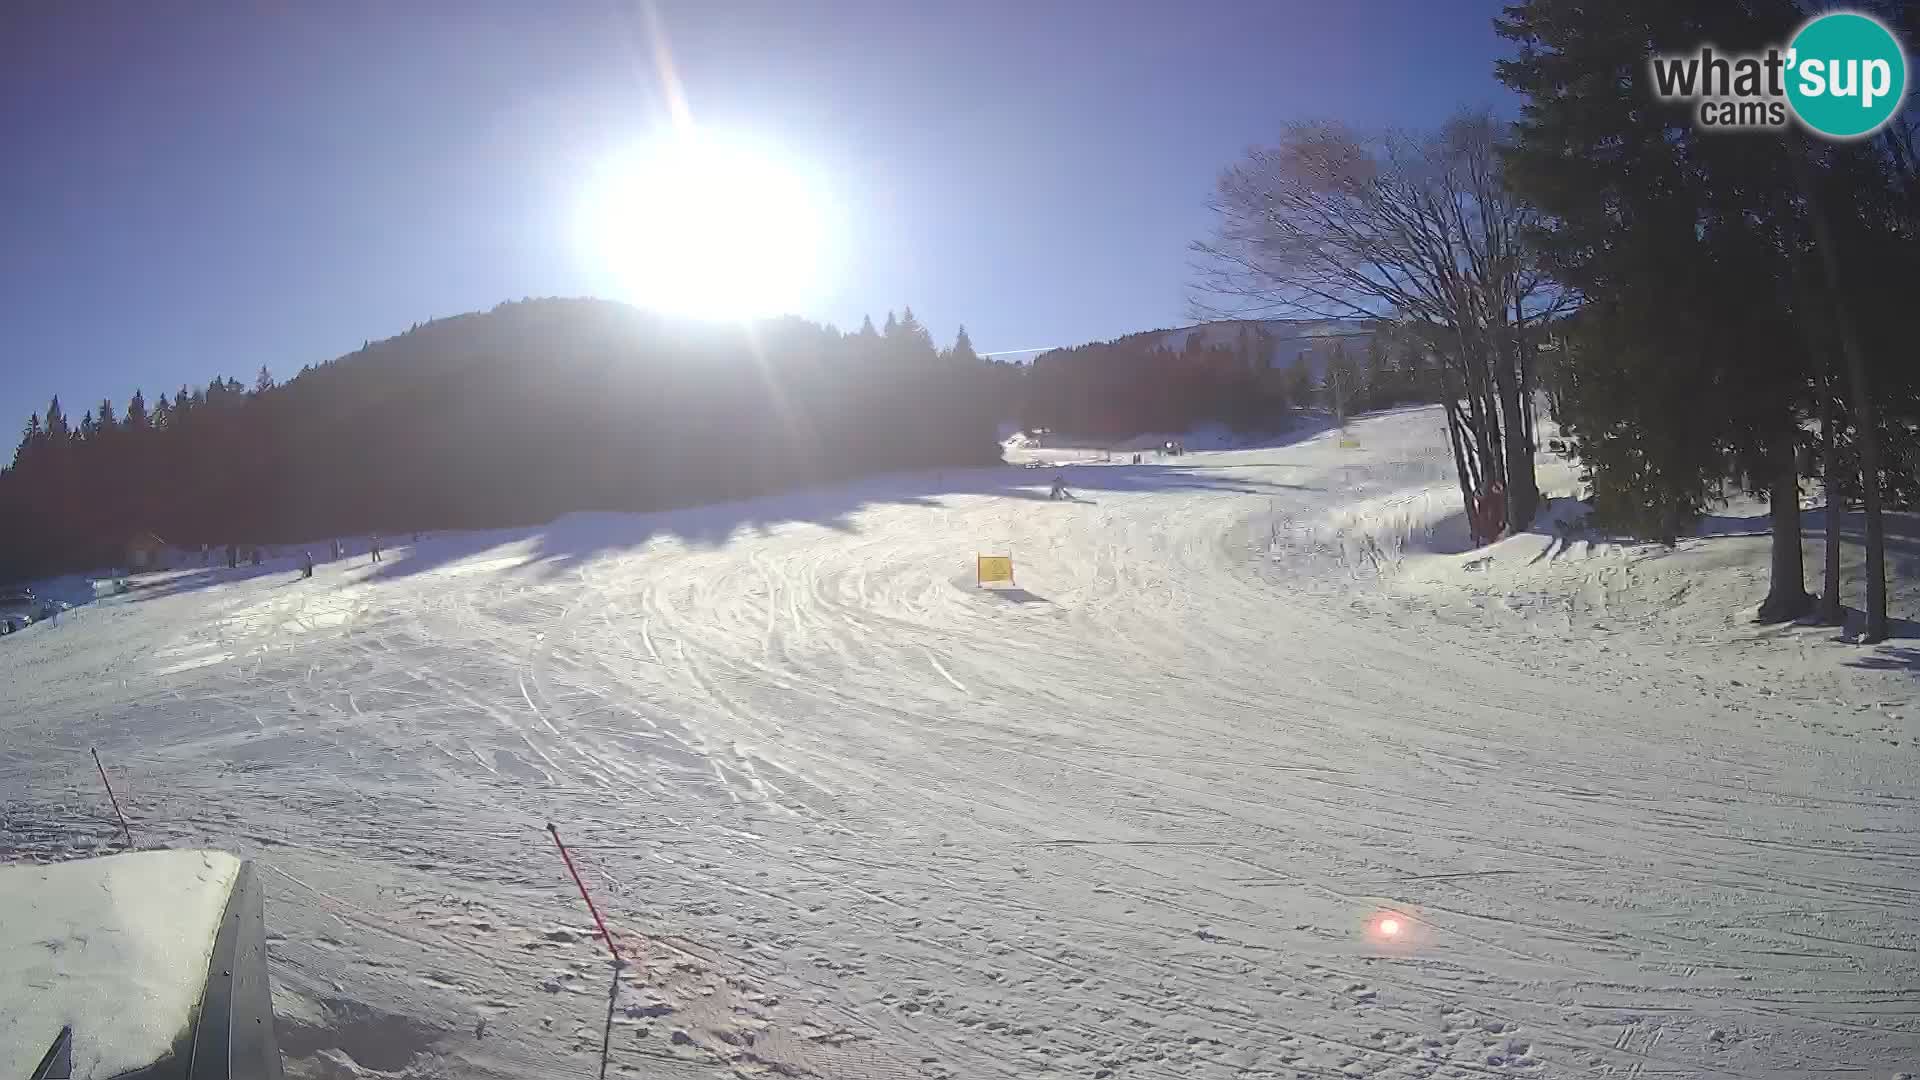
1059 488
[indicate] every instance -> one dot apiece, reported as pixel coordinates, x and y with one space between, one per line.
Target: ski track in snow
857 818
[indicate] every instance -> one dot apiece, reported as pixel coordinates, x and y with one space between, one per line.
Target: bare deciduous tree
1412 227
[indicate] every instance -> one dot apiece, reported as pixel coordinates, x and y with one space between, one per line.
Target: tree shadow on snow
1885 656
1890 658
1898 525
564 545
1902 530
1556 547
156 586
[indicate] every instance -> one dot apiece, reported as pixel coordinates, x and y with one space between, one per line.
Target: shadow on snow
567 543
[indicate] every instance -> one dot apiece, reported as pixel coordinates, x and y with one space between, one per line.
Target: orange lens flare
1395 928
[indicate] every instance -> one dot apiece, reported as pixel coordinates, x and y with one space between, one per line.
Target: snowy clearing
1145 815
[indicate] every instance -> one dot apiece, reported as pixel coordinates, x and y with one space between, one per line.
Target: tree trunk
1832 612
1527 353
1482 416
1787 597
1527 394
1876 529
1491 467
1556 383
1455 442
1475 422
1523 493
1867 431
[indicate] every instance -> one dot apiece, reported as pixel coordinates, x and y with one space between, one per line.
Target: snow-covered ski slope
1141 816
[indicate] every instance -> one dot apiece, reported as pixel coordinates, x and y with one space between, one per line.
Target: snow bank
1400 524
1564 577
115 947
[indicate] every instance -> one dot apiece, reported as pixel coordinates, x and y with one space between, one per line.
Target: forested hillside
1164 380
516 415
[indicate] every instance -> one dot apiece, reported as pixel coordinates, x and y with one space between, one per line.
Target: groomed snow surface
1255 773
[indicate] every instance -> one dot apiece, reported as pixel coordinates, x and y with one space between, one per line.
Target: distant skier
373 545
1059 489
306 564
233 557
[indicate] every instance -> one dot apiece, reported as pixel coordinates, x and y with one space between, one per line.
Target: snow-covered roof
117 948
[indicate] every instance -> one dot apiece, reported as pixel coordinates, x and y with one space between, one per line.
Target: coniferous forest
1141 383
511 416
544 407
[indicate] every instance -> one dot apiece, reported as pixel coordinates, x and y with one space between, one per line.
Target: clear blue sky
190 190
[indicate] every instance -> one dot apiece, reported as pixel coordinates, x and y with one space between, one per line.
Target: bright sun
694 225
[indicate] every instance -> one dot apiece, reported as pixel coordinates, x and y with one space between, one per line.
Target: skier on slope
1059 490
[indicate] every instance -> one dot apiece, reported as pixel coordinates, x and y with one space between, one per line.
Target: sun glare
695 225
1393 928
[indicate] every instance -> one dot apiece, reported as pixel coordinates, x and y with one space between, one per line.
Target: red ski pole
582 886
110 796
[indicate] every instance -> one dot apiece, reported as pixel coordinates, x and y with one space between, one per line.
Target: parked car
18 609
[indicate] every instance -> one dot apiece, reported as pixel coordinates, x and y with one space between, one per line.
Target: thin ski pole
584 895
110 796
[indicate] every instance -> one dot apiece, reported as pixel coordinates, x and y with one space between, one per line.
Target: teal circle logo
1846 75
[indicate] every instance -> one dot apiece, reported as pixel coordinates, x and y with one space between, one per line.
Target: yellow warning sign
995 568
